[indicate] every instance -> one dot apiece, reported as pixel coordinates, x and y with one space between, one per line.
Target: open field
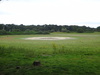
79 56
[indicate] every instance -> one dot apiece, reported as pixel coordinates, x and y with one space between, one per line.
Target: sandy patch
48 38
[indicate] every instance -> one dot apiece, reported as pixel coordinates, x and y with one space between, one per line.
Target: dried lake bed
48 38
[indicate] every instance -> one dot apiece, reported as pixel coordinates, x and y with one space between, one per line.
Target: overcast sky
61 12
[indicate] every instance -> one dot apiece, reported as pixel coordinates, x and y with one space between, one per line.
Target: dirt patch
48 38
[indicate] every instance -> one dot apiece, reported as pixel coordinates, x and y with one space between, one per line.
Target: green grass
80 56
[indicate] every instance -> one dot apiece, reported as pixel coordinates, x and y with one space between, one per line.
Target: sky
60 12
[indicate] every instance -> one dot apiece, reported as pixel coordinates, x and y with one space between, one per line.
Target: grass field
79 56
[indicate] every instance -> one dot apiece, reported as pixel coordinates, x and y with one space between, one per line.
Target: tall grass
80 56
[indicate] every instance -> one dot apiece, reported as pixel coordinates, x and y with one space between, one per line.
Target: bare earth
48 38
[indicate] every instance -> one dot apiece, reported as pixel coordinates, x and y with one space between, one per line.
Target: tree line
12 29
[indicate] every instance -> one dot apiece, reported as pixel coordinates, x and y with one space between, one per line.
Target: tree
80 30
65 30
1 26
3 32
98 29
44 29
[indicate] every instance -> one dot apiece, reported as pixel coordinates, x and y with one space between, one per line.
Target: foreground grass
80 56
